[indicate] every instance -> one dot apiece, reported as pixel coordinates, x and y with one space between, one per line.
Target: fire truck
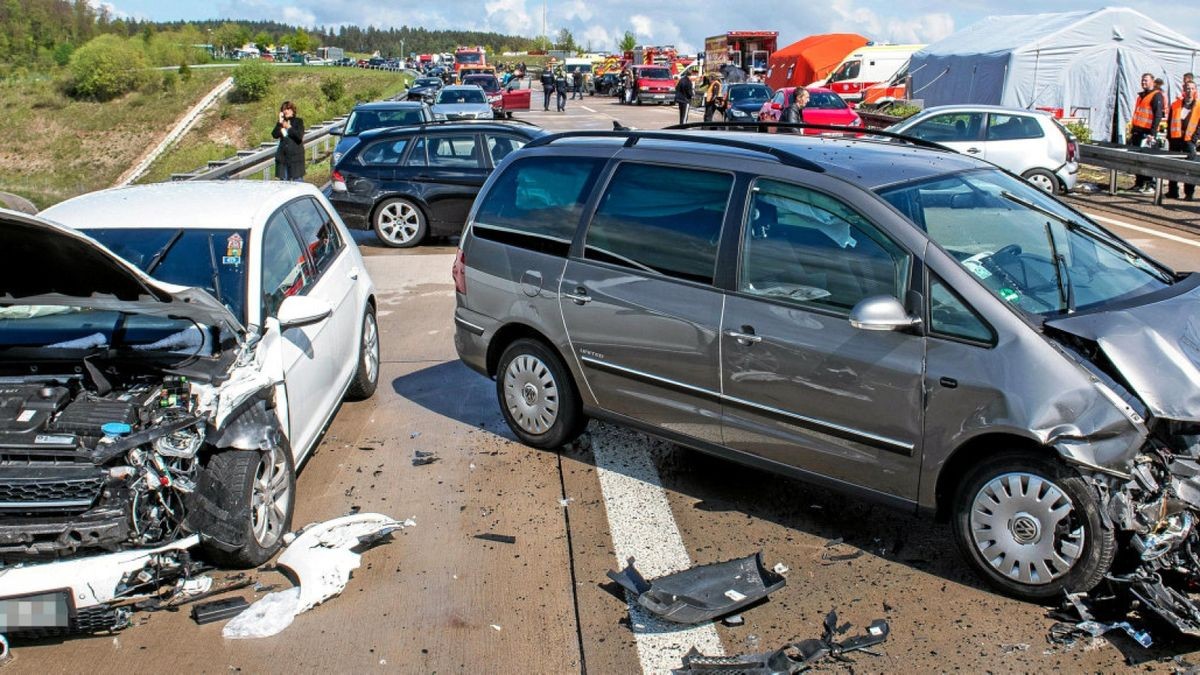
746 49
658 55
468 57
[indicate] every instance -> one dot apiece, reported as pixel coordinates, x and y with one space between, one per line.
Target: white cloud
852 17
511 17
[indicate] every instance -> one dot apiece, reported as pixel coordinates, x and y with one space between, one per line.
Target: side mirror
881 312
340 131
301 310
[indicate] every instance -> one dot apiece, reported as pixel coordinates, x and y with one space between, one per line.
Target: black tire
232 476
399 223
1043 180
1096 545
366 375
538 380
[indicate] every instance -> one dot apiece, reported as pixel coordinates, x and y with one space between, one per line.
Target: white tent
1088 64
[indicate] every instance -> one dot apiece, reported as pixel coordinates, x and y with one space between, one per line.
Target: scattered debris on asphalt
791 658
498 538
836 551
734 620
1080 620
704 592
219 610
321 559
421 458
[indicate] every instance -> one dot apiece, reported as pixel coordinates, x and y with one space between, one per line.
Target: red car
653 84
504 100
824 107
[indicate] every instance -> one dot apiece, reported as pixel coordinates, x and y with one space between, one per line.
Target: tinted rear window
541 196
661 219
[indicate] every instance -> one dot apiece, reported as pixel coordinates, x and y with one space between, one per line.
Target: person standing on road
560 85
626 86
684 91
547 88
289 156
577 76
1148 112
794 113
714 97
1183 130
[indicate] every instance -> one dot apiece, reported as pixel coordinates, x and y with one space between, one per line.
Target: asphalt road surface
437 599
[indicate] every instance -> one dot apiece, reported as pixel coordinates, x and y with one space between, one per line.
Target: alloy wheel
270 497
370 347
399 222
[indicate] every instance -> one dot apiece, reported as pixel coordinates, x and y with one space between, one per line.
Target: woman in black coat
289 157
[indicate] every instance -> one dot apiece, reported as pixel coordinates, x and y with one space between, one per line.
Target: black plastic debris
1080 613
421 458
834 552
499 538
791 658
218 610
702 593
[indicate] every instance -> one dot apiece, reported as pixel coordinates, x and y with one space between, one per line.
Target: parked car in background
462 102
1029 143
504 100
607 84
745 101
376 115
653 84
424 89
223 324
824 107
407 184
902 323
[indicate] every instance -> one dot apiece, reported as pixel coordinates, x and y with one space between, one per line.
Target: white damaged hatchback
140 417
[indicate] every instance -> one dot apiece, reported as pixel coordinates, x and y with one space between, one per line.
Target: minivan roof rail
632 136
764 127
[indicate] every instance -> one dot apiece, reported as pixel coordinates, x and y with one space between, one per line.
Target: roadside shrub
333 88
903 110
169 79
62 53
185 72
1082 131
251 81
371 94
105 68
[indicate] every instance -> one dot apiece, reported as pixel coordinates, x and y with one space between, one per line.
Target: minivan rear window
661 219
541 196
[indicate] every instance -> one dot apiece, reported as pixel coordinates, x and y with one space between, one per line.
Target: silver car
1029 143
897 321
462 102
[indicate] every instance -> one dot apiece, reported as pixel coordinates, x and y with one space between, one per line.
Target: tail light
1072 150
459 272
776 106
337 181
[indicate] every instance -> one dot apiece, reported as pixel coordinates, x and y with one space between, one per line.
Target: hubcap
399 222
270 498
1021 525
1042 182
370 348
531 394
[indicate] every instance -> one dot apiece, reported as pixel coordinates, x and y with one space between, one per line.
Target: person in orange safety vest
1148 111
1183 130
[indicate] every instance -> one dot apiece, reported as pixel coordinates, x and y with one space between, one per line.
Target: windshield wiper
162 253
216 275
1066 291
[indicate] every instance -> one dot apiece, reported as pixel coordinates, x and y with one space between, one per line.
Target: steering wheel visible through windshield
1027 248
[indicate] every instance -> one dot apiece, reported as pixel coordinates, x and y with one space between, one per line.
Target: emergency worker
1149 109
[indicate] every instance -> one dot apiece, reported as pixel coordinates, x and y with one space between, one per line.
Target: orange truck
468 57
746 49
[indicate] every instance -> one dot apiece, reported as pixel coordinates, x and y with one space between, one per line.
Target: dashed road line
642 526
1143 230
588 109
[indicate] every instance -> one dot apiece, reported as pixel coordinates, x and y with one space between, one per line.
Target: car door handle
973 151
579 297
745 336
354 273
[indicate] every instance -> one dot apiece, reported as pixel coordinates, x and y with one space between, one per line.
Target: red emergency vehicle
468 57
746 49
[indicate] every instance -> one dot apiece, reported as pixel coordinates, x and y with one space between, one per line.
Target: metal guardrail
248 163
1157 164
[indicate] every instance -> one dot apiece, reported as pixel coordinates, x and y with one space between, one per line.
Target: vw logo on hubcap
530 393
1025 528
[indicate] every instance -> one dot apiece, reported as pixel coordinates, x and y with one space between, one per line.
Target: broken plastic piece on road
421 458
781 569
734 620
496 627
702 593
321 559
219 610
498 538
195 586
791 658
829 556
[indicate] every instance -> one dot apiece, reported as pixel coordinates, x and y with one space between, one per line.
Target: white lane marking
1144 230
642 526
587 108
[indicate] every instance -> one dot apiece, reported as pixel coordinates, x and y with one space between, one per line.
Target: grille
60 494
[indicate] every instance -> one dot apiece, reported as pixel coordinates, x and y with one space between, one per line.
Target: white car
1029 143
186 378
462 102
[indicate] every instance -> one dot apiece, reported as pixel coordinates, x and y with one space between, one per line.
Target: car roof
233 204
389 105
456 125
972 107
458 87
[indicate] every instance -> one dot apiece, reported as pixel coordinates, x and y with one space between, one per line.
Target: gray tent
1088 64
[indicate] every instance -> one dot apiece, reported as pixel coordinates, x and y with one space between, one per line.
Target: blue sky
601 22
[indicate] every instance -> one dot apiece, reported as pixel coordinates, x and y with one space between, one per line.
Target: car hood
52 264
460 108
651 82
748 106
1155 347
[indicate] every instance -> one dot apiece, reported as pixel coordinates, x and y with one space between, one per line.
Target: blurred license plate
46 610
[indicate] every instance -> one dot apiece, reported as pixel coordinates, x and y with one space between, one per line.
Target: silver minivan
895 320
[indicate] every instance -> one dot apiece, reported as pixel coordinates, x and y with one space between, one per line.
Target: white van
864 67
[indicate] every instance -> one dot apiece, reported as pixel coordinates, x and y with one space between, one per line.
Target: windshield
468 57
487 83
363 120
427 82
654 73
61 327
578 67
848 71
461 96
212 260
824 100
1028 249
746 93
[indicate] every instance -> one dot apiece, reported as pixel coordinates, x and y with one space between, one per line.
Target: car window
949 315
803 246
778 98
1012 127
661 219
317 232
384 152
448 151
848 71
285 269
501 145
542 196
825 100
948 127
457 96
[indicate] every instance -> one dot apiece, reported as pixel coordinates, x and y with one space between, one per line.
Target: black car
606 84
408 183
745 100
424 89
376 115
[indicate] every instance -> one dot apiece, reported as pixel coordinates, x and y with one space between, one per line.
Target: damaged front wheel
1032 527
258 494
